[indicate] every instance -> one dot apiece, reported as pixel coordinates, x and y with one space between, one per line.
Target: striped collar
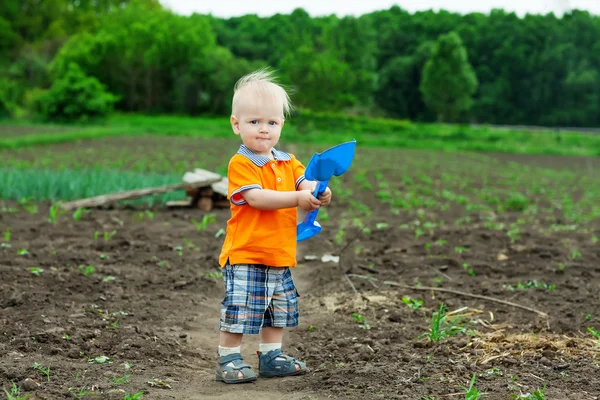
259 160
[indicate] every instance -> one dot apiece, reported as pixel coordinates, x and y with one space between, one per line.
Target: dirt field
151 303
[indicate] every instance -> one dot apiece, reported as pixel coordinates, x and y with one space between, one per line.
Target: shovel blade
332 162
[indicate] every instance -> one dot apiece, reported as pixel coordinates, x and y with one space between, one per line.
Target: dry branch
477 296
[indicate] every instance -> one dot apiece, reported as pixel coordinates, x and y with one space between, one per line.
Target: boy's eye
272 123
254 122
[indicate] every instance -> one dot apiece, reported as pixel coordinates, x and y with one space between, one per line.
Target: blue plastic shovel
321 167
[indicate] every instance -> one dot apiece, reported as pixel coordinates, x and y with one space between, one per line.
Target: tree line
137 56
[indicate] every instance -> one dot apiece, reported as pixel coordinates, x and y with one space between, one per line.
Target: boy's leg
234 322
282 312
271 338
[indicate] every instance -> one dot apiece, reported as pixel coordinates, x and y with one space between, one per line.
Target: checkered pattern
258 296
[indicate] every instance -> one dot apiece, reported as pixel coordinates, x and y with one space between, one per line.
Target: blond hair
262 83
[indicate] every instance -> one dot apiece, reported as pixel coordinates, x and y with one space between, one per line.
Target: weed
22 252
87 270
415 304
575 254
443 326
15 393
79 213
539 394
594 332
109 235
529 284
215 275
6 234
472 393
469 269
45 371
138 395
207 219
55 212
122 380
362 322
460 249
36 271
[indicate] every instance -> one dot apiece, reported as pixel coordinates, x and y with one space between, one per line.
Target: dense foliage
539 70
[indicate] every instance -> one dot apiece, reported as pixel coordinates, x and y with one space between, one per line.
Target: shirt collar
259 160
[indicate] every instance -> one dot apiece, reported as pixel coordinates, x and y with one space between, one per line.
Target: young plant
6 234
469 269
207 219
415 304
55 212
87 270
539 394
36 271
109 235
122 380
138 395
362 322
45 371
15 393
472 393
443 326
79 213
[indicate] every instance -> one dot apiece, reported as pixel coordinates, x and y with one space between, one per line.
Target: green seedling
528 285
362 322
138 395
469 269
87 270
179 250
443 326
36 271
311 328
22 252
594 332
339 236
460 249
45 371
81 392
207 219
220 233
55 212
595 239
472 393
79 213
215 275
122 380
415 304
441 242
109 278
561 266
109 235
539 394
575 254
15 393
6 234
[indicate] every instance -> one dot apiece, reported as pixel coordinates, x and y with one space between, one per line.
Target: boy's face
258 121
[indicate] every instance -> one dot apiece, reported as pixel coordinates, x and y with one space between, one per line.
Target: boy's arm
265 199
307 185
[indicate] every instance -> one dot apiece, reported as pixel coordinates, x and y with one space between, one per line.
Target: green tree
449 81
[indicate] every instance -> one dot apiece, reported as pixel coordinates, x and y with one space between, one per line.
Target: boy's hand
325 197
307 201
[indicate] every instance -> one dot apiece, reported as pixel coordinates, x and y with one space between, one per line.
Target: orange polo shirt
261 236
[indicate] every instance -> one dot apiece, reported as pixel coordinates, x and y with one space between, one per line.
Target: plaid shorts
258 296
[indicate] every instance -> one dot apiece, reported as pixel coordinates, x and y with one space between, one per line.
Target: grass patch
53 185
317 129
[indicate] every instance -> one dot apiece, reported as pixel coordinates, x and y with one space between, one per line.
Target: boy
265 187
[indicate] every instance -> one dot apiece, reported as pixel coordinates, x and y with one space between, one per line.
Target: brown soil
160 312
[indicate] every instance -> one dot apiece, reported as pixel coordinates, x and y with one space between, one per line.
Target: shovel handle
310 216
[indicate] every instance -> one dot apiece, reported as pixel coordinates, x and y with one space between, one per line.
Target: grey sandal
270 365
231 374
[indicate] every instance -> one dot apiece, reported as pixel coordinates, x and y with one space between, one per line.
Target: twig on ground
477 296
434 289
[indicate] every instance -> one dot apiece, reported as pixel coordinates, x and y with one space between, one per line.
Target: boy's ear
235 125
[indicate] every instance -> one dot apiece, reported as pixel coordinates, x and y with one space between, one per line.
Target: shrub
75 97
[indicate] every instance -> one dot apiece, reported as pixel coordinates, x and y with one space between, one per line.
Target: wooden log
178 203
133 194
205 204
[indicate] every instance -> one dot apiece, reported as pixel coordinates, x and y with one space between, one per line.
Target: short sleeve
242 175
298 169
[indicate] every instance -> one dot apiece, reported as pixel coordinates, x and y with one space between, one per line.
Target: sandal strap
272 359
235 359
